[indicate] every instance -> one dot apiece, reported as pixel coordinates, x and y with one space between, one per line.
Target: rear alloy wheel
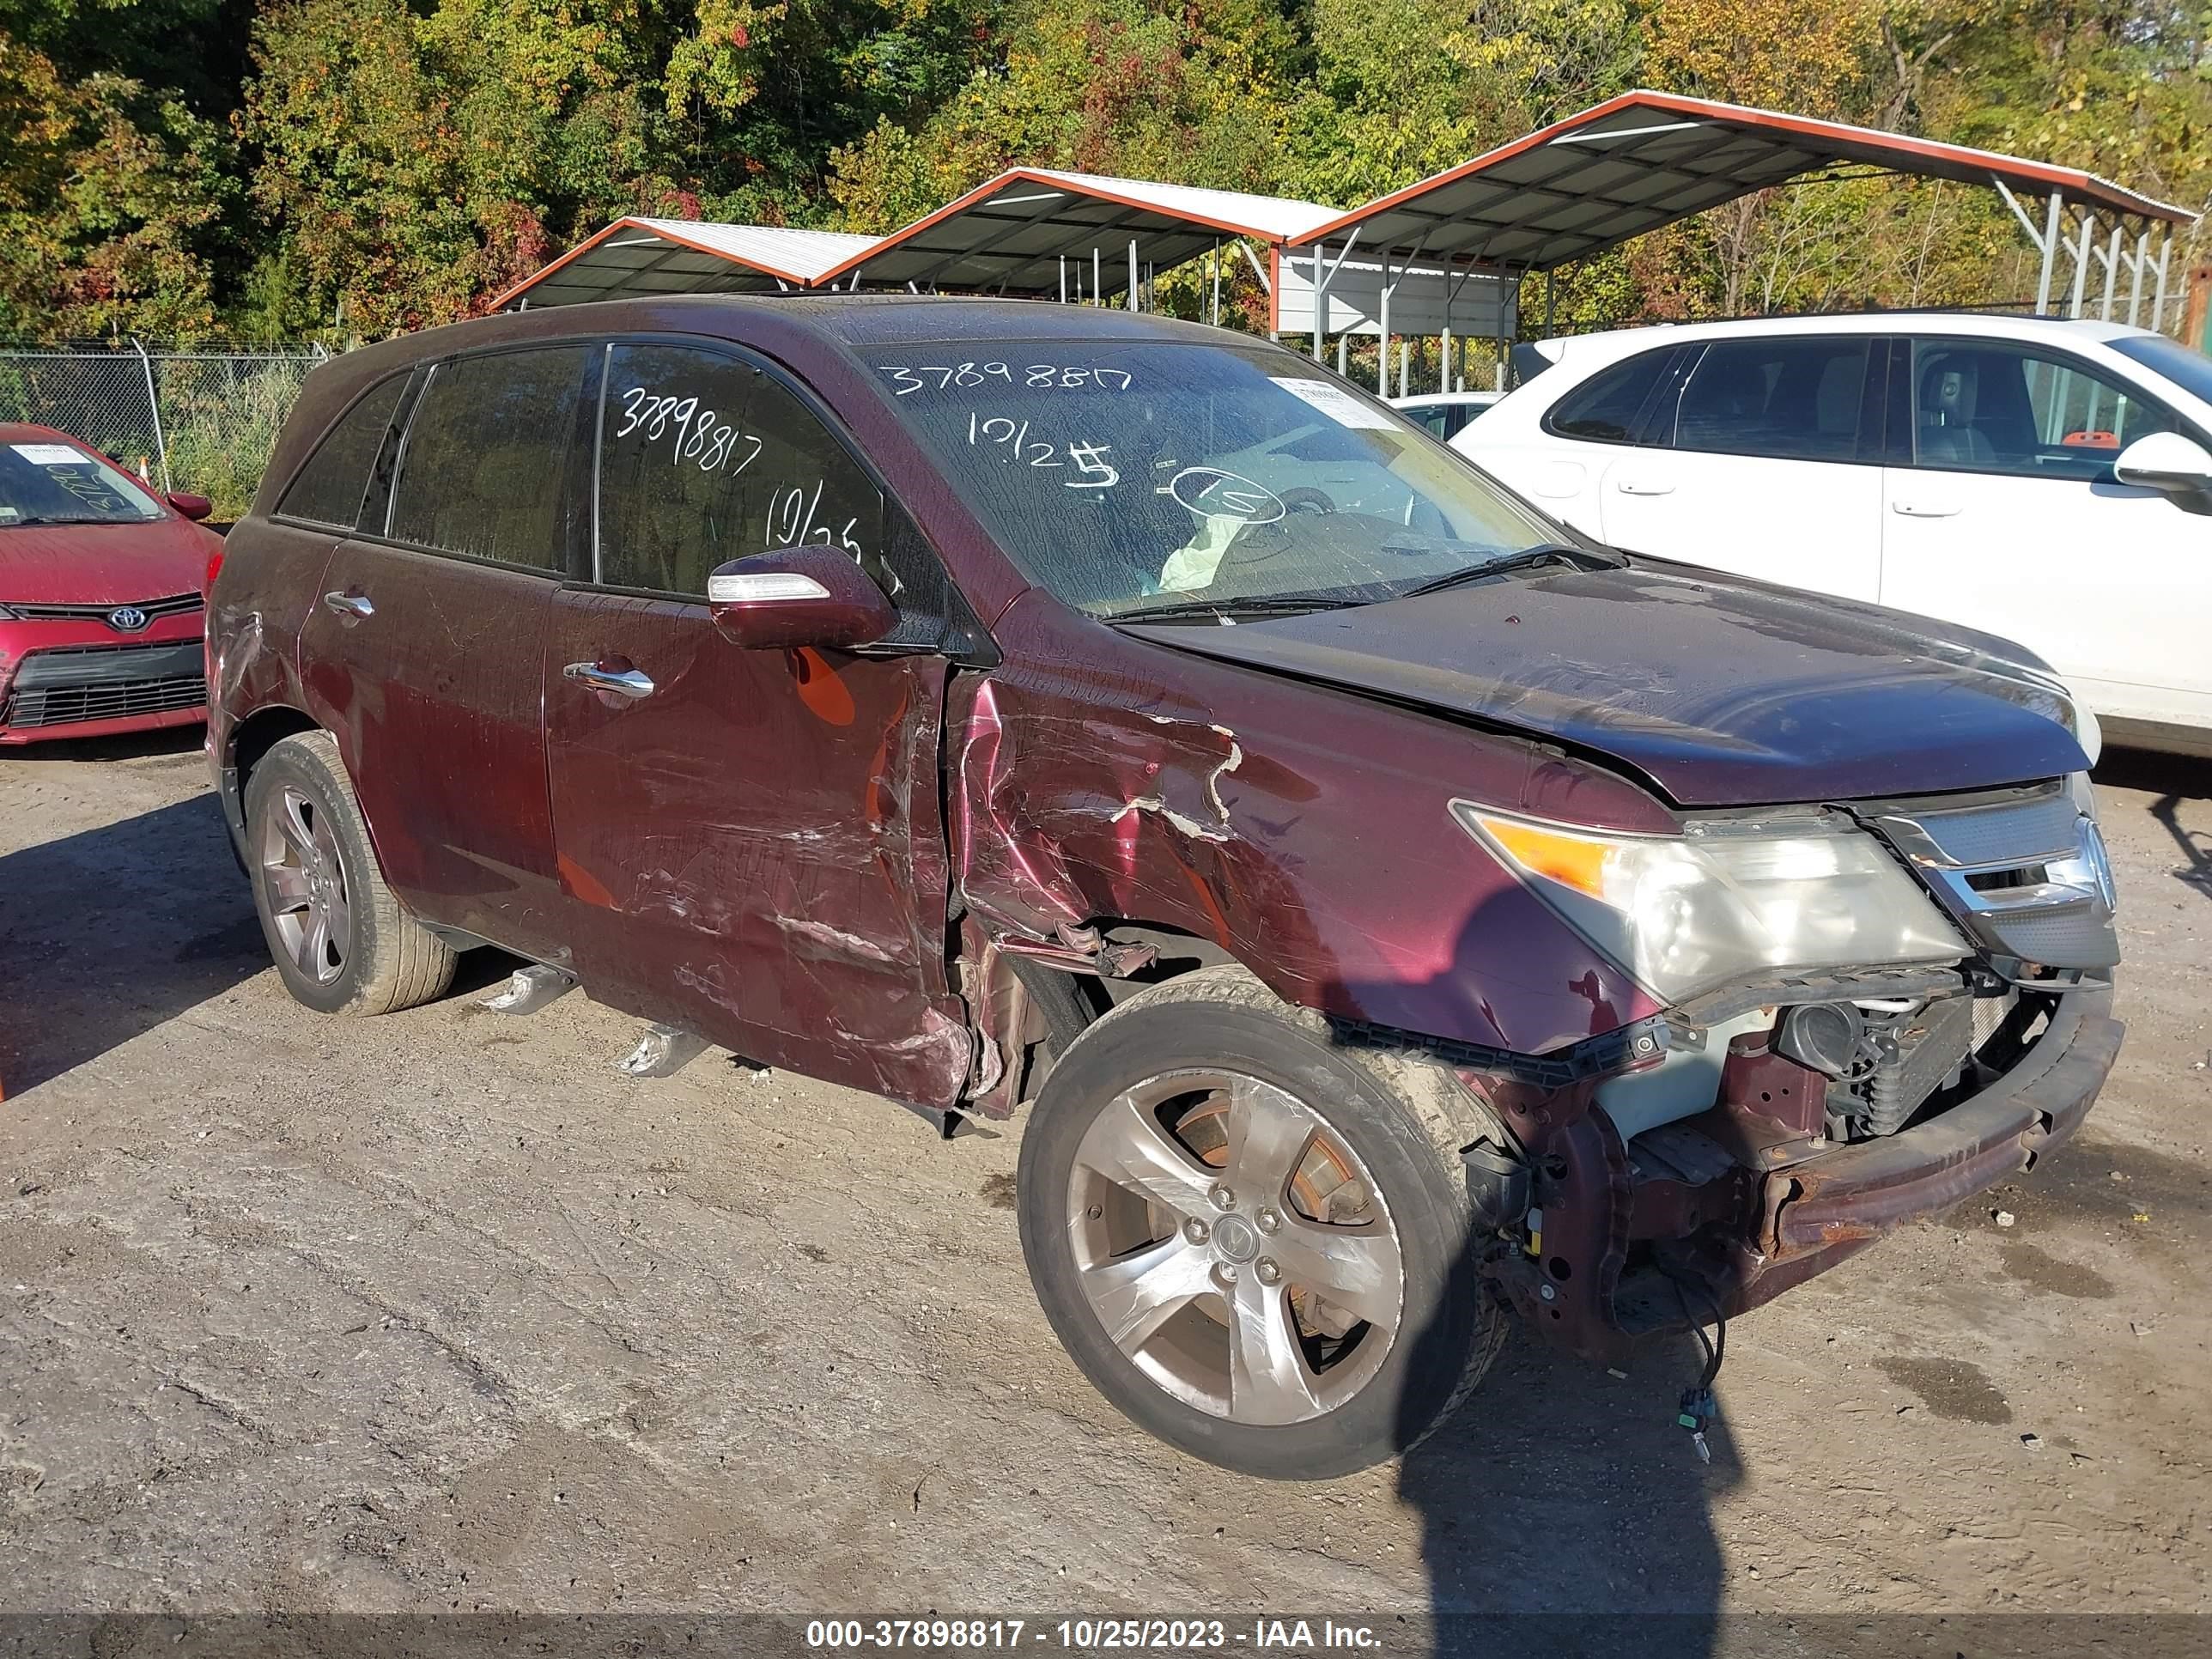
337 936
1248 1237
306 880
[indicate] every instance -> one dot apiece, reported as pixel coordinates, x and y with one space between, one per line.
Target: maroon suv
1397 910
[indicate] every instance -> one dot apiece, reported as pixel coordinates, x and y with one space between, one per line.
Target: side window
1987 406
328 489
704 457
1793 399
1608 408
492 464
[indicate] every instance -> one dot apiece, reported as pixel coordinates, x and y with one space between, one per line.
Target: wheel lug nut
1195 1230
1268 1272
1266 1221
1224 1273
1222 1197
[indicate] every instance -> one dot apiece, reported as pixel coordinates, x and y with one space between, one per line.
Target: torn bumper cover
1826 1207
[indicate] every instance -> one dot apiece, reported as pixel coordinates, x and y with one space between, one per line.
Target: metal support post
1383 335
2082 263
153 408
2050 239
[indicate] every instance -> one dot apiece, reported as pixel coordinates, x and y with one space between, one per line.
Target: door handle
620 682
1643 487
1925 510
353 607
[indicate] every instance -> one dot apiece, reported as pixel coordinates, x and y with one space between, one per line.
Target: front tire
339 940
1253 1239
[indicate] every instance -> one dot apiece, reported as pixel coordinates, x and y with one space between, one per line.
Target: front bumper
87 686
1827 1208
1624 1249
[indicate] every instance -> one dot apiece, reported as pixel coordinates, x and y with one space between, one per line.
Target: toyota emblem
127 619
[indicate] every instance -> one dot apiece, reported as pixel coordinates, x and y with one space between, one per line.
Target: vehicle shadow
1563 1511
1564 1508
2171 779
106 933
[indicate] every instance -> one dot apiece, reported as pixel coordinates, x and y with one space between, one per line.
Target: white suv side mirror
2166 461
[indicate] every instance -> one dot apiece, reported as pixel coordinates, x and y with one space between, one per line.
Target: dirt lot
438 1311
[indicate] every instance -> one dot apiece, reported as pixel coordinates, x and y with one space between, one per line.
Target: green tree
415 164
110 203
1180 94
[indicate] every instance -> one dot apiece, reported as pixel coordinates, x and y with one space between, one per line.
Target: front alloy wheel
1252 1238
1233 1247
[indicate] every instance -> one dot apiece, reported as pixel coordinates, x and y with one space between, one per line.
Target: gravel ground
437 1311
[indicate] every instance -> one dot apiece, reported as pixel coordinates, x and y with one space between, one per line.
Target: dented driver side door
750 843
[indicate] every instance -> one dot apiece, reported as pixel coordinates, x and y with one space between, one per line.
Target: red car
100 614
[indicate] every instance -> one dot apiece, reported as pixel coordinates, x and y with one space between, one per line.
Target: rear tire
1253 1239
340 941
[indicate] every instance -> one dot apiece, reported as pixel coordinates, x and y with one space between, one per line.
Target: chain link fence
198 420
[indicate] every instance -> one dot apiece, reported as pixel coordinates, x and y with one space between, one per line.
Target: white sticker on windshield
1339 405
52 454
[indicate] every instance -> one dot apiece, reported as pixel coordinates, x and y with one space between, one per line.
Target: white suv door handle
1925 510
1643 487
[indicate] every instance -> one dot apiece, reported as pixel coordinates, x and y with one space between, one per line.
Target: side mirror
2168 462
814 595
192 506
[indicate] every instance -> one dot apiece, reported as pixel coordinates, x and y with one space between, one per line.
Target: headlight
1685 913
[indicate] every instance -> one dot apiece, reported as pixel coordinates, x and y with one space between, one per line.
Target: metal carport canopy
1645 159
1013 234
633 257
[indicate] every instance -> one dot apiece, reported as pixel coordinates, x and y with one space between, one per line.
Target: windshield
1128 478
2190 370
60 484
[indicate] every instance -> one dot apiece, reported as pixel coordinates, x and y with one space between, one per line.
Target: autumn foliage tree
282 168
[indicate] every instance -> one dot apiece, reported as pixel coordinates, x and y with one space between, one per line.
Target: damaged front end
1760 1131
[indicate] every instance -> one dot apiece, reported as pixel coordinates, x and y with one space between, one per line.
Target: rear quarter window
1608 407
495 466
330 488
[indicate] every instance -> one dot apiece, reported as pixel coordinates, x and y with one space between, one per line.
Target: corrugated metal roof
1647 159
637 256
1271 218
1011 235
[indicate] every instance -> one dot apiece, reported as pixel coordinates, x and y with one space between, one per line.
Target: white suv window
1608 407
1784 399
1991 406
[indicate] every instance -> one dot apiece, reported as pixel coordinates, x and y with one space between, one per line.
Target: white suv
2050 481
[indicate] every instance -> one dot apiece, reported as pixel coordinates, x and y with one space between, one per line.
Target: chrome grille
2004 835
2026 875
153 609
